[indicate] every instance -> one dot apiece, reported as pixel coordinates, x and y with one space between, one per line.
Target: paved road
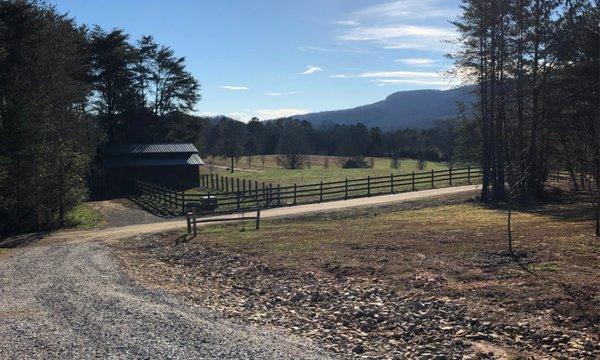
65 297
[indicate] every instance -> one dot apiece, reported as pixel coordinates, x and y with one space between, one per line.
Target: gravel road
70 300
65 297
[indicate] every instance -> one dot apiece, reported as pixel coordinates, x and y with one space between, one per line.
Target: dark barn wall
120 180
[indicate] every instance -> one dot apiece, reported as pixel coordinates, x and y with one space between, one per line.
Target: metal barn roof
122 149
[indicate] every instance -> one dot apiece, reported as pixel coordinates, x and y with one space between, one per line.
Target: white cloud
338 76
381 82
273 93
401 25
408 9
399 74
232 87
311 70
346 23
265 114
417 61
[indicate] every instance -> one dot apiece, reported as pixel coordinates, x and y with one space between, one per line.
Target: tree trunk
232 164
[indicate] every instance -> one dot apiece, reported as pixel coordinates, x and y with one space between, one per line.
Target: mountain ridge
399 110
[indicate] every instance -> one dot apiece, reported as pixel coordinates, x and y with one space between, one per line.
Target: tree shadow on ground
155 207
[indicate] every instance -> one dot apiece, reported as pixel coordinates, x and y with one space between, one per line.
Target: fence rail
236 195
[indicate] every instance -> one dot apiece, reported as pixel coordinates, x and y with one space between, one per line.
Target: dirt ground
430 279
122 212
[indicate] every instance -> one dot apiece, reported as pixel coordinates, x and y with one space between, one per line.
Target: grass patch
545 266
317 171
83 216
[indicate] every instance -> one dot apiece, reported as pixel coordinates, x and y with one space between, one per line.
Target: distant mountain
400 110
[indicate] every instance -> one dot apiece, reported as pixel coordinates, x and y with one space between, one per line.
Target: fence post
469 174
432 179
413 181
194 221
295 194
232 185
369 186
222 182
264 194
392 183
321 192
189 223
183 203
244 185
238 200
227 185
278 195
257 215
270 193
212 181
346 190
450 176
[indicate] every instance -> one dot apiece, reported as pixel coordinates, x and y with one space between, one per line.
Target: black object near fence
235 194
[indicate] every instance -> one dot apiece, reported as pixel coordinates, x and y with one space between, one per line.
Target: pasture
318 168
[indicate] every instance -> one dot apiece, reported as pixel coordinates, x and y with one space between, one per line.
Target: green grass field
313 173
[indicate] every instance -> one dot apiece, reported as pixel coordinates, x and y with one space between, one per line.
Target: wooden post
238 200
212 181
264 194
238 184
392 183
189 222
321 192
222 183
270 193
256 187
182 202
227 185
244 185
432 179
278 195
369 186
194 220
346 190
257 215
450 175
413 181
232 185
295 194
469 175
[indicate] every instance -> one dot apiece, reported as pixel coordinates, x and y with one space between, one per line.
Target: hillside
402 109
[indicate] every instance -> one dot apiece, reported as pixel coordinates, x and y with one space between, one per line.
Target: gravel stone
70 300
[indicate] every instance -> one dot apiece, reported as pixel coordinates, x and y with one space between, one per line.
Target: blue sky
271 58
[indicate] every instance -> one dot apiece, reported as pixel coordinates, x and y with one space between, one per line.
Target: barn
176 166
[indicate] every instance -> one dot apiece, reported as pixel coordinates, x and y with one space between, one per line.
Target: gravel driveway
69 299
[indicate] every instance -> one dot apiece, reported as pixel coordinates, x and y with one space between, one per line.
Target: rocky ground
353 316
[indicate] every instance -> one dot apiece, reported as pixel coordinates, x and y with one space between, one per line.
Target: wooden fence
234 194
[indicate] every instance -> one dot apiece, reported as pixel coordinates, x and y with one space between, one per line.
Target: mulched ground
483 306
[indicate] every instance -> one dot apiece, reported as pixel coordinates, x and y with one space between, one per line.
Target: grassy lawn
83 216
316 172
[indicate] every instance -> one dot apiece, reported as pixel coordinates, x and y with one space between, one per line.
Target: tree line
65 88
292 138
537 70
